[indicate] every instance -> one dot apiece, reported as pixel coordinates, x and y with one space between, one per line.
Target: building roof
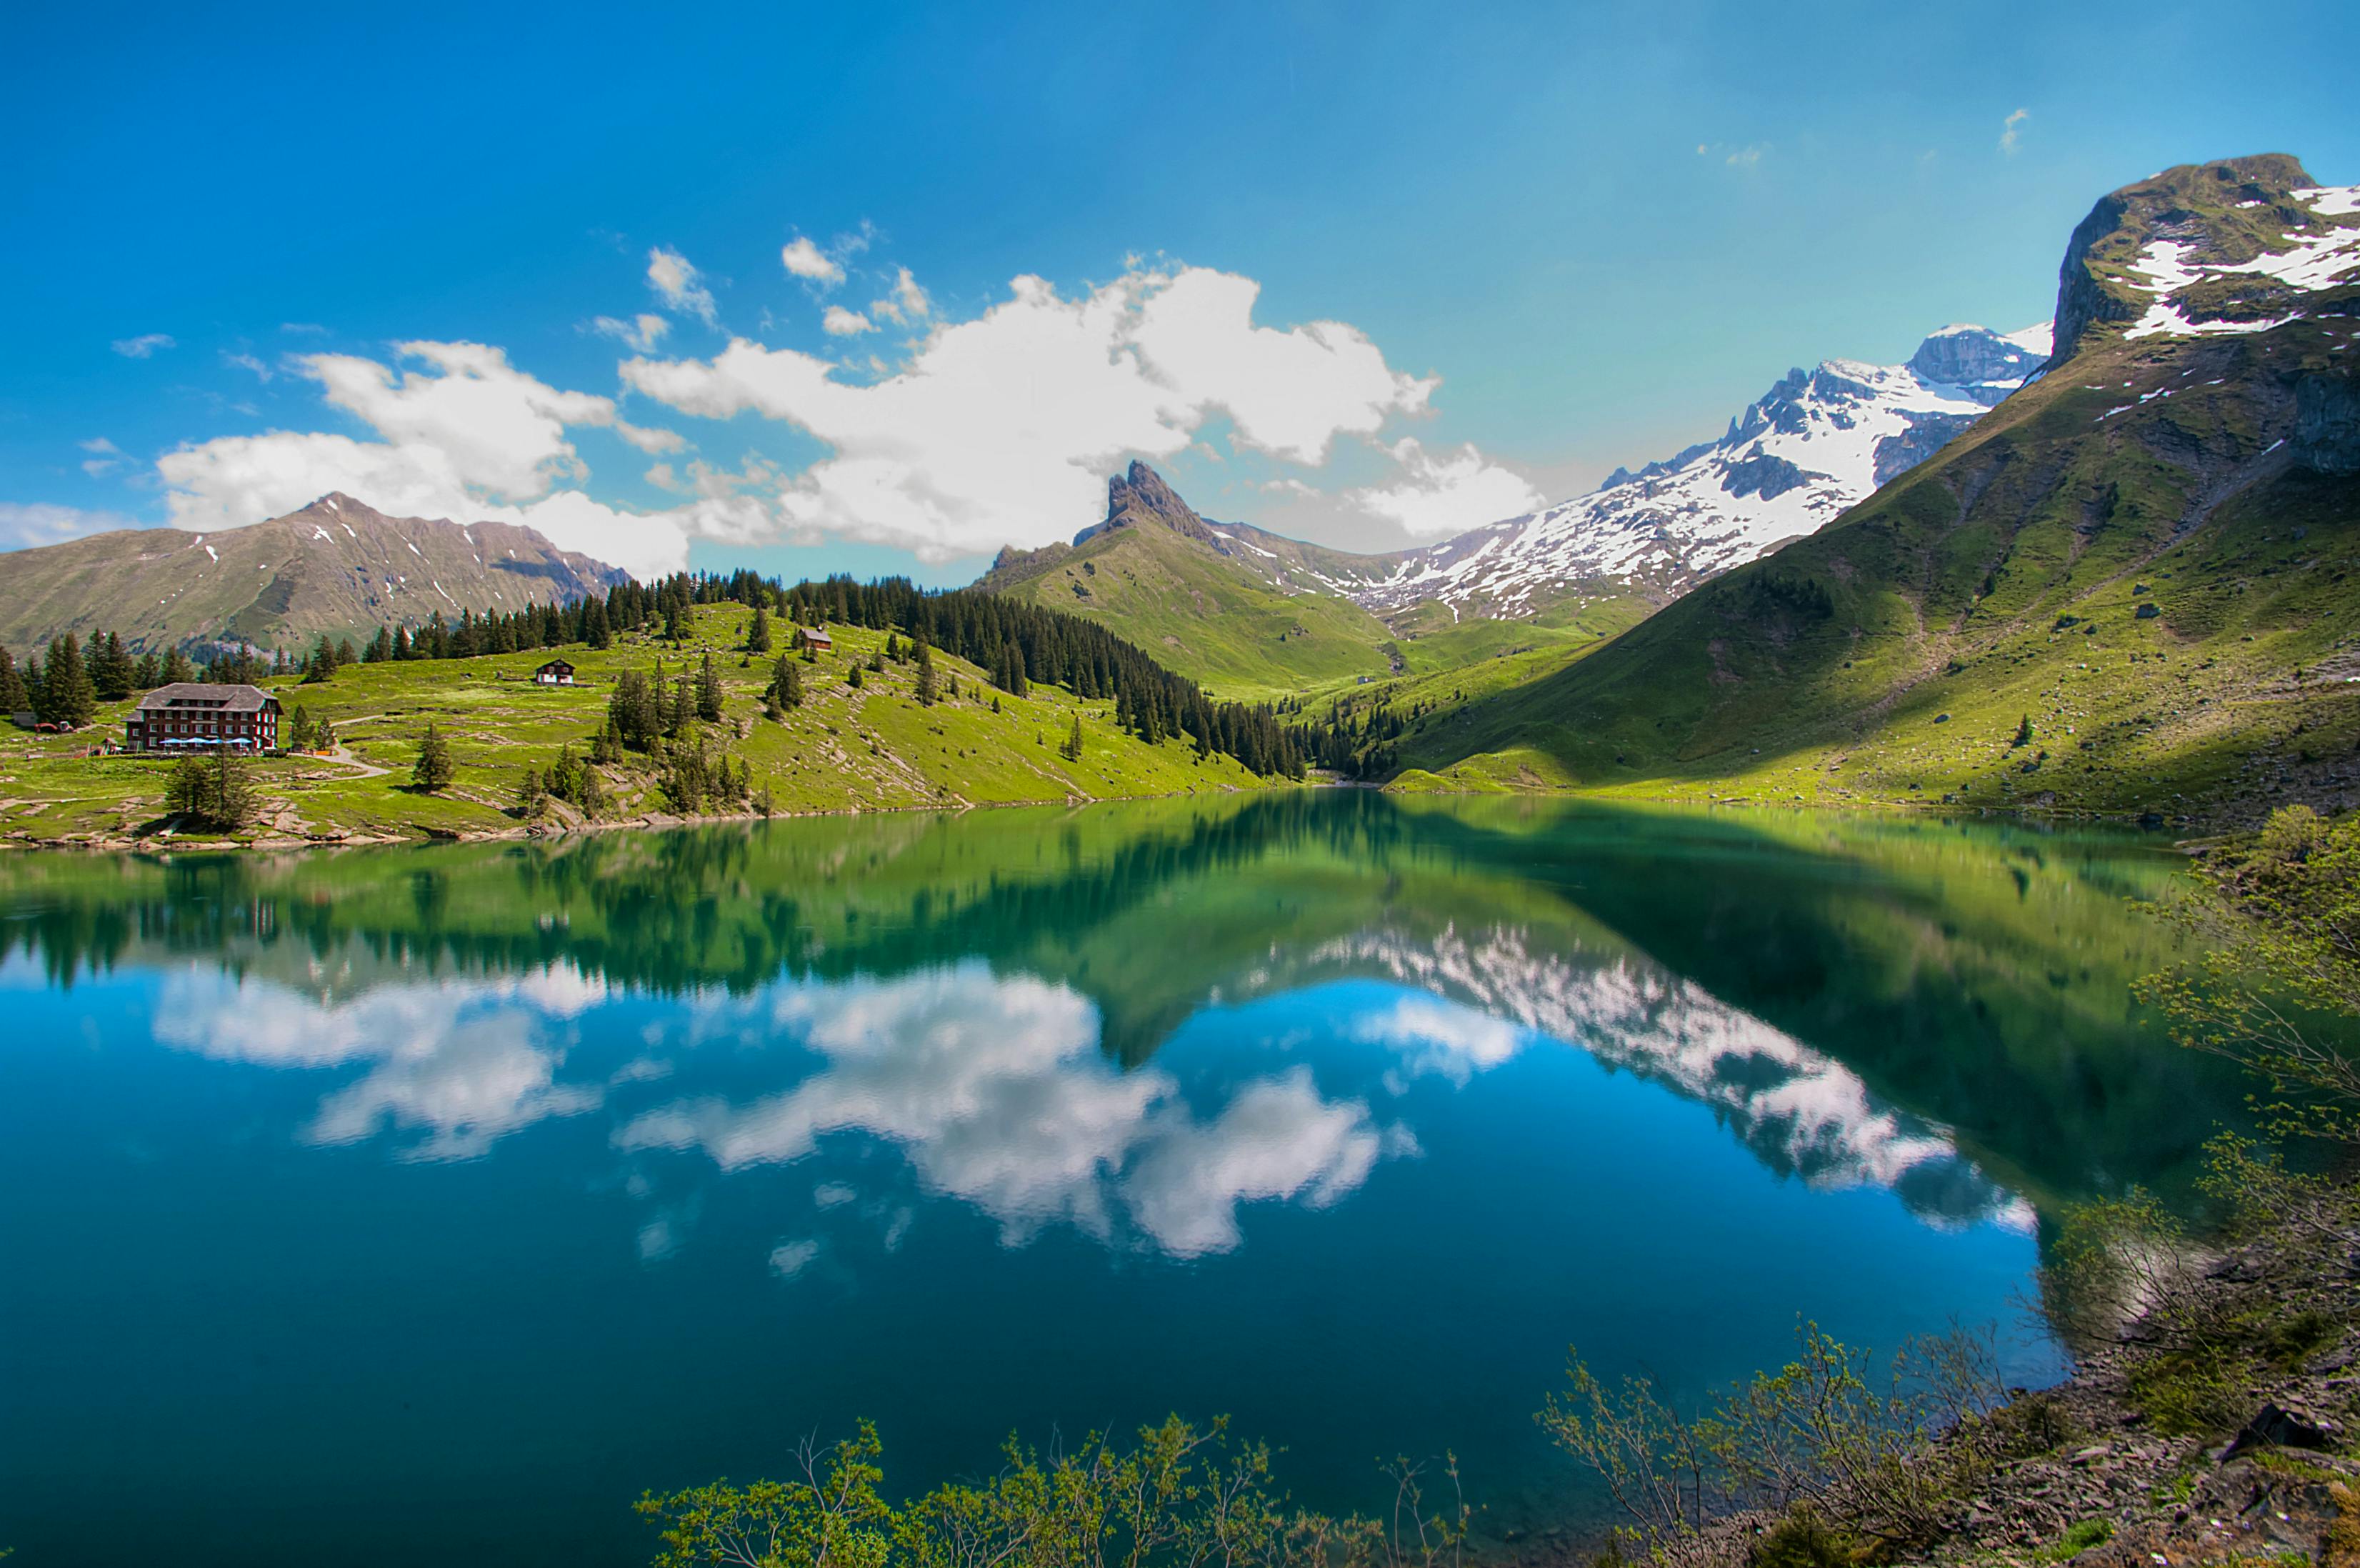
186 695
815 634
556 664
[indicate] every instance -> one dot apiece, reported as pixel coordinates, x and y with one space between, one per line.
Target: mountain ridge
336 566
2123 591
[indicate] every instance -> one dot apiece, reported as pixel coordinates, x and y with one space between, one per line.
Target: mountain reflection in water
549 1172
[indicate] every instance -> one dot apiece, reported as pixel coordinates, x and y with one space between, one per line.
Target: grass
1207 617
874 747
1893 657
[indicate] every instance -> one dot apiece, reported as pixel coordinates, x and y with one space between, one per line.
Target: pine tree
149 672
177 668
852 677
757 636
433 770
233 802
67 700
925 674
708 692
785 690
110 668
13 695
1072 750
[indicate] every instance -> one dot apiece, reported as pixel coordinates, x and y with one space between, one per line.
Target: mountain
2128 588
1815 443
338 566
1246 613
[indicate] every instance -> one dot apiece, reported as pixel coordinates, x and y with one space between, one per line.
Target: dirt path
343 754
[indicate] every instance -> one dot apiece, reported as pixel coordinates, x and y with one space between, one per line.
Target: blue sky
1544 240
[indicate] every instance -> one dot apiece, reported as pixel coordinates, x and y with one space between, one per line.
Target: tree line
1016 644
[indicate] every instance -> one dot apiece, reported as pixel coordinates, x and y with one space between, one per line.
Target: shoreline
2199 827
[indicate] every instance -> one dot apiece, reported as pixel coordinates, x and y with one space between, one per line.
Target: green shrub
1802 1540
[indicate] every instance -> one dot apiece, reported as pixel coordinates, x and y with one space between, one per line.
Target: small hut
556 673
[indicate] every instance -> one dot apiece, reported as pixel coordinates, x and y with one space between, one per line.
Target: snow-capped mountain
1815 443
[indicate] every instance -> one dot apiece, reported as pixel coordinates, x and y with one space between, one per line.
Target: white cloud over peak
144 346
2011 130
807 260
1447 493
993 430
680 284
1000 430
467 437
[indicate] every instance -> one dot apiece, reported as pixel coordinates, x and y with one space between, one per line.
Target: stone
2273 1426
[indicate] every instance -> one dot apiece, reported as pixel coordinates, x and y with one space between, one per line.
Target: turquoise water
429 1204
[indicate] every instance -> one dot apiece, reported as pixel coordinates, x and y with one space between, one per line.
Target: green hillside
2125 590
844 749
1160 576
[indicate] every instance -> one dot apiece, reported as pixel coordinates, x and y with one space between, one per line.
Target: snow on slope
1815 445
2313 262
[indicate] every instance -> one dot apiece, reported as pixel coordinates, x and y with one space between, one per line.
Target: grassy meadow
874 747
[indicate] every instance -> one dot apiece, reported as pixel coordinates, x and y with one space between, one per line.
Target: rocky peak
1971 356
1140 496
2233 246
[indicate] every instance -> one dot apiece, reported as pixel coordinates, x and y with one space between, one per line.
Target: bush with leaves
1181 1496
2275 923
1876 1459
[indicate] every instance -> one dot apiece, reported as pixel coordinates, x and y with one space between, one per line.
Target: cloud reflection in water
994 1088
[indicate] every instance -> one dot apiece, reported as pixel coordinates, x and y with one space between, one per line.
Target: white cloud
309 329
906 305
1748 156
105 457
1447 493
2010 130
469 436
648 440
144 346
641 334
841 323
248 362
807 261
670 274
27 525
503 430
1000 430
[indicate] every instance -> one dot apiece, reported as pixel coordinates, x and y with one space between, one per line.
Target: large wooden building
190 716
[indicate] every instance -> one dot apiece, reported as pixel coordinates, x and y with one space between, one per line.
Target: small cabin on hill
192 716
556 673
814 639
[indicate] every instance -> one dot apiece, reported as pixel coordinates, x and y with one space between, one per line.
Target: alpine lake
390 1206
